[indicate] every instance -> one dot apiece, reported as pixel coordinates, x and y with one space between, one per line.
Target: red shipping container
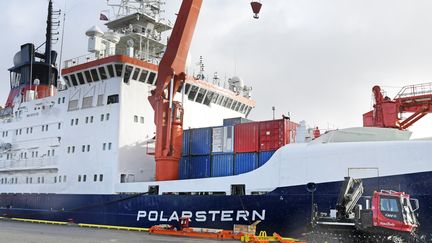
275 134
246 137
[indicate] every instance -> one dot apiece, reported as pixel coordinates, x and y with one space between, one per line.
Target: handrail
415 90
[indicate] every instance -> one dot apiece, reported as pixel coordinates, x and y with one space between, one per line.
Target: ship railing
141 55
33 163
415 90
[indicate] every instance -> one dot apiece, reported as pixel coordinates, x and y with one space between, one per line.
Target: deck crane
171 76
416 99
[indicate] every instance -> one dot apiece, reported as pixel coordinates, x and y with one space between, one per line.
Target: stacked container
237 147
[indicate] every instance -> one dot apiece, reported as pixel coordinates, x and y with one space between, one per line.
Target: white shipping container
223 139
217 140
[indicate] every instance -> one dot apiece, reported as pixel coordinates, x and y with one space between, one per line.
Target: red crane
171 76
416 99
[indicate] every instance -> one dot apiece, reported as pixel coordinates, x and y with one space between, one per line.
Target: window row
33 154
29 180
29 130
87 148
61 100
206 97
110 71
90 119
87 102
83 178
141 119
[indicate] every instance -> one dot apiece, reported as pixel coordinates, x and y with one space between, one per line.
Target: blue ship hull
285 210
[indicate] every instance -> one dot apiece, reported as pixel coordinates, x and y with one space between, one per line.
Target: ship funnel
256 8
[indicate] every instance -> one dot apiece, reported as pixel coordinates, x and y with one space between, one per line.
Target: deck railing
29 164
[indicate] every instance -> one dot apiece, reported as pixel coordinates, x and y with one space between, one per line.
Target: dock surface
13 231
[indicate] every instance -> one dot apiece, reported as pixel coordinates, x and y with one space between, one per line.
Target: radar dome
94 31
17 59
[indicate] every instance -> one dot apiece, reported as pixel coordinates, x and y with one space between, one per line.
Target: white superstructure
98 131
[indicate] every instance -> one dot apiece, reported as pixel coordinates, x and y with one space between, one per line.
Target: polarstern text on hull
202 216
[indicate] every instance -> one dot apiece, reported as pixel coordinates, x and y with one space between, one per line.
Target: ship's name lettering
203 216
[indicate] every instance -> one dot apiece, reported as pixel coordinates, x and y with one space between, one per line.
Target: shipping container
222 165
186 142
275 134
265 156
235 121
245 162
246 137
200 141
184 168
223 139
199 166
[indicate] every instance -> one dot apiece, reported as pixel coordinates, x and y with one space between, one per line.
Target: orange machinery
171 76
415 99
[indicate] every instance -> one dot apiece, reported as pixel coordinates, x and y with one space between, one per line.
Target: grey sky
315 59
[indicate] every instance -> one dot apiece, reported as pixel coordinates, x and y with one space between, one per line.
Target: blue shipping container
222 165
245 162
184 168
199 166
186 142
263 157
201 141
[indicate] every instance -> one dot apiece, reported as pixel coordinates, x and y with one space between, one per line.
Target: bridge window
238 106
151 78
88 76
128 72
242 108
193 93
102 73
80 78
228 105
234 105
220 99
136 73
110 71
94 75
119 69
200 95
187 88
74 80
215 98
143 76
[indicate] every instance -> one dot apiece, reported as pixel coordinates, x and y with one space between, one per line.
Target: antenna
49 36
62 39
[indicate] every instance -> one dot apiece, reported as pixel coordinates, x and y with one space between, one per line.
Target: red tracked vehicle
386 216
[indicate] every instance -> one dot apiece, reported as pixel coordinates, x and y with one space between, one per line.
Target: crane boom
171 76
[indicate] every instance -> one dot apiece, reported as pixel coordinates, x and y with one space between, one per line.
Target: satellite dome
94 31
17 59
